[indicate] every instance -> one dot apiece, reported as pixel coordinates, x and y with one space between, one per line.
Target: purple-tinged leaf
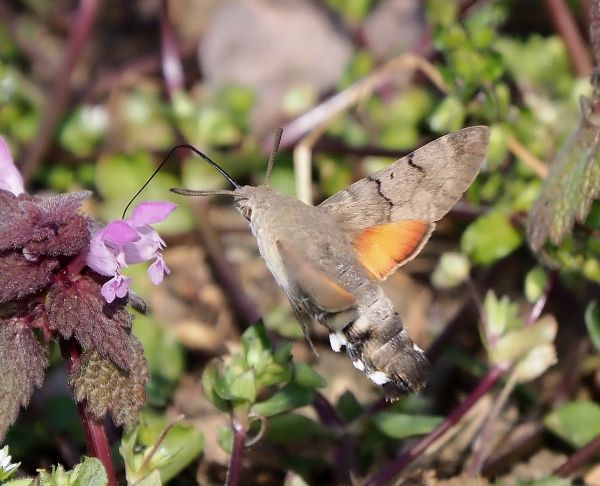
20 277
22 361
67 239
76 308
51 226
15 227
62 207
106 387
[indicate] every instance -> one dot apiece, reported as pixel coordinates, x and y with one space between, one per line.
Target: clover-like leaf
20 277
489 238
576 422
76 308
107 387
571 186
23 362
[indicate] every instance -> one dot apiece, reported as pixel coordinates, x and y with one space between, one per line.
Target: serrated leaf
489 238
400 425
571 186
23 362
90 472
575 422
20 277
107 387
76 308
592 322
290 397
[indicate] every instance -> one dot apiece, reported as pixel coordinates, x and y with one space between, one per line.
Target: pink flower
128 241
10 178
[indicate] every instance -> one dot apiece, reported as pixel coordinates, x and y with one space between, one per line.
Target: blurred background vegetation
93 94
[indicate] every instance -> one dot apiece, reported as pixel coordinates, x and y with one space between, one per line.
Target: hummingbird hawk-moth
330 259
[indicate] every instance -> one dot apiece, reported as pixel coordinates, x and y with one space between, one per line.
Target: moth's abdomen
385 352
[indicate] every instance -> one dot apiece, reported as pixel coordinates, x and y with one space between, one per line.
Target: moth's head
251 201
248 200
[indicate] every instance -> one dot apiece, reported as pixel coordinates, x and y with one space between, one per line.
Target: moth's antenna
191 192
274 150
163 162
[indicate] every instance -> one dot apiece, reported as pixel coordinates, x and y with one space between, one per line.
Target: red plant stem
326 412
538 307
55 103
95 434
386 474
234 471
172 68
582 456
565 25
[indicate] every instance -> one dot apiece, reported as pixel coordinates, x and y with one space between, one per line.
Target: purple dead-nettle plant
61 280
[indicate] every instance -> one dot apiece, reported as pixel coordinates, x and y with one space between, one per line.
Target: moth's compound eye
247 212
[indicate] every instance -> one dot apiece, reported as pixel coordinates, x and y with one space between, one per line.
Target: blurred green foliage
521 86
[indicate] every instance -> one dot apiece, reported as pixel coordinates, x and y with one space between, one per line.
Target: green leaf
225 438
305 376
255 339
575 422
516 344
290 428
500 314
536 281
165 357
19 482
348 406
451 270
592 322
211 378
89 473
152 479
535 362
290 397
178 448
400 426
449 115
244 386
490 238
571 186
549 481
84 128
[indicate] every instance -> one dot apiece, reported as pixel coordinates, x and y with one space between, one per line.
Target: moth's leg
305 321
